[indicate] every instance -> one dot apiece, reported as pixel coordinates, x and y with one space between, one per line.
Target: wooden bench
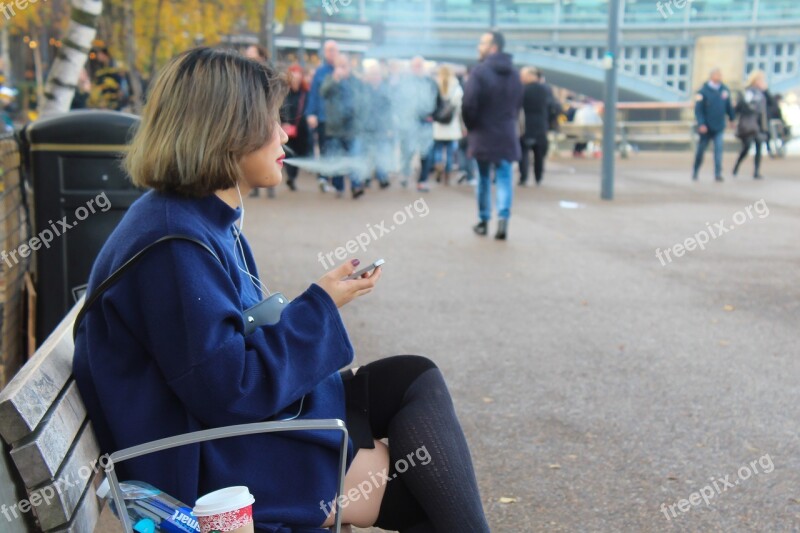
49 439
51 465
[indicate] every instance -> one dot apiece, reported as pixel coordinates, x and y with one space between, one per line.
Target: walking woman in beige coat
447 134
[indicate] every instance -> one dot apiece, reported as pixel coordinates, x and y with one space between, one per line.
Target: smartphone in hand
366 269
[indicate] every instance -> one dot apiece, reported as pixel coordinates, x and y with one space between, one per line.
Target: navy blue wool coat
163 353
491 106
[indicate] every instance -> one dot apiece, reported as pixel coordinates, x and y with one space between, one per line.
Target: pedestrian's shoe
694 176
423 187
290 183
271 192
358 192
323 185
758 177
253 193
481 228
385 184
502 228
718 178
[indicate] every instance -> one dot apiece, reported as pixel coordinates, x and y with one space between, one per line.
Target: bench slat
10 493
26 399
86 516
39 458
71 483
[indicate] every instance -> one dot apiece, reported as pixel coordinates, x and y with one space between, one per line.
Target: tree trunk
71 57
130 58
6 56
156 41
264 20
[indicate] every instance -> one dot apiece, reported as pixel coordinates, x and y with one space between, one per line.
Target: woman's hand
343 291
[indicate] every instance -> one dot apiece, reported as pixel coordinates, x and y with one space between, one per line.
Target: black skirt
356 401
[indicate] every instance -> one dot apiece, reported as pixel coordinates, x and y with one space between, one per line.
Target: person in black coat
774 114
537 103
294 123
491 107
752 126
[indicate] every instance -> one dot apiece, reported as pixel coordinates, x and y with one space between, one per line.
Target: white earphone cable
257 283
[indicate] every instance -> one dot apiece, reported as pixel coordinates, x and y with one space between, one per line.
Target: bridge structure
667 49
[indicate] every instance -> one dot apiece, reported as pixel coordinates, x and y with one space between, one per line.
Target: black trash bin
80 194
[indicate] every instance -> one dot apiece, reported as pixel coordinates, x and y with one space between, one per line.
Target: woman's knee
419 362
364 487
401 367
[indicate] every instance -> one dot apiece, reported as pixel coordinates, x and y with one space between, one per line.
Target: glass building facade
539 13
658 42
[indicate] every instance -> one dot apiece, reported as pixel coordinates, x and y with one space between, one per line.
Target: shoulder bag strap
114 277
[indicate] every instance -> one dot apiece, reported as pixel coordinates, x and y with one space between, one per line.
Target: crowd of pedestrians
374 124
460 127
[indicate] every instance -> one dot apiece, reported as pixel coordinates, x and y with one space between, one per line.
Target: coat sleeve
192 325
458 97
729 109
741 105
328 87
364 106
700 109
313 105
469 108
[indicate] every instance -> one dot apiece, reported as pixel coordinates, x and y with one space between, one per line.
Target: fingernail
355 262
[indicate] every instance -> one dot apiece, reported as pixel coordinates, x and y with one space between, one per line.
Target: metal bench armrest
221 433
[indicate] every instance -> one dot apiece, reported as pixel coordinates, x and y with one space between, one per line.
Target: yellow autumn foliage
171 25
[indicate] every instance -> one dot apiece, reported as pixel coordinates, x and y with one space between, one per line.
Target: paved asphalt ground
594 383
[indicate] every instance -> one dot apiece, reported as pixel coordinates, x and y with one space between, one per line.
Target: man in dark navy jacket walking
492 102
713 104
315 108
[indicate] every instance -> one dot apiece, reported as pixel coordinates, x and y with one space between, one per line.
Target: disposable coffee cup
228 510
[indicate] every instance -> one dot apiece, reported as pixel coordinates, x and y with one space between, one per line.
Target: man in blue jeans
491 107
712 106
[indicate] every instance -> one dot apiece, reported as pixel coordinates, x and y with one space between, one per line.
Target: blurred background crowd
377 89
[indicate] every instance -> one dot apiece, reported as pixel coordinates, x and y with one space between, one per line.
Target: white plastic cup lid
223 501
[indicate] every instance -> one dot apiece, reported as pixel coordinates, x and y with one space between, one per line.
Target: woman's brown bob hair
206 110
